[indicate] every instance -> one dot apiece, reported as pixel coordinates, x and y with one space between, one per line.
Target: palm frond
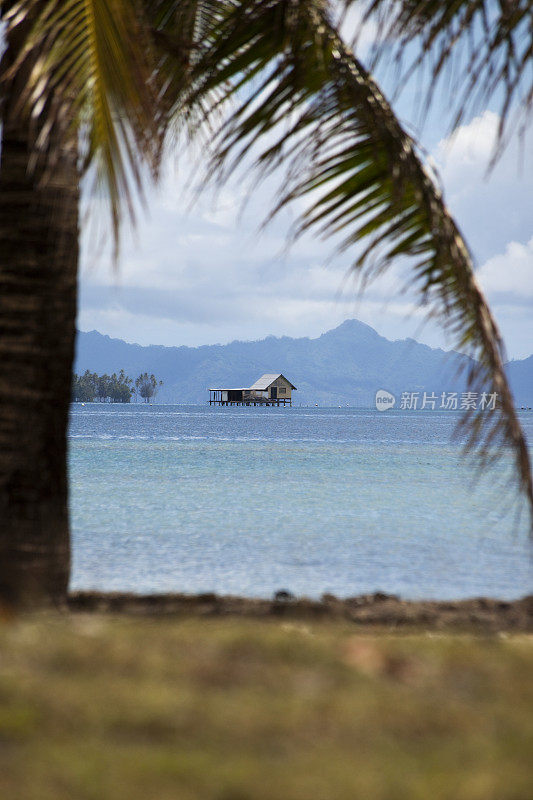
484 46
92 75
304 100
180 29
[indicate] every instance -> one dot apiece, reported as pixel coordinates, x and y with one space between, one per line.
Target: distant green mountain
345 365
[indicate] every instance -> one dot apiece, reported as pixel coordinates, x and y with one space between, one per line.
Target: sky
201 270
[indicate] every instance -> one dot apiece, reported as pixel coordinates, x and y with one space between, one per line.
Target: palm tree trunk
38 269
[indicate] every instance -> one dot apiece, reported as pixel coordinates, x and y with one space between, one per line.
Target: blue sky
204 273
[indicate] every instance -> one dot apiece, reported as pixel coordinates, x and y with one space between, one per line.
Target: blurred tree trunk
38 271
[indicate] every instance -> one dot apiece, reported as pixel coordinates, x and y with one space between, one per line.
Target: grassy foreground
98 707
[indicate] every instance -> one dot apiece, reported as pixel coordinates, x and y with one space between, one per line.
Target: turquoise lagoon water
253 500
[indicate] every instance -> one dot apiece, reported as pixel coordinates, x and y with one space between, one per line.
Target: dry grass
96 707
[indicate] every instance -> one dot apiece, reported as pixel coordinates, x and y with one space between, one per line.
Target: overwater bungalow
270 390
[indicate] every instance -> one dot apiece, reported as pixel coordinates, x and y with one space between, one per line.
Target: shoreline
479 615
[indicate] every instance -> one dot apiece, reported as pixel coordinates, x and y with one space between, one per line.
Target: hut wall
280 383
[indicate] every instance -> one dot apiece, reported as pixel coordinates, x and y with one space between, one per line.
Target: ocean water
253 500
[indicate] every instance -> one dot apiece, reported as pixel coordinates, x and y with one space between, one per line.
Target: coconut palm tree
90 88
81 100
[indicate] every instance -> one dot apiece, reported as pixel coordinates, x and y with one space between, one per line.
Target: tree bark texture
38 289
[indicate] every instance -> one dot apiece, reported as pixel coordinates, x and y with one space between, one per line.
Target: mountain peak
351 328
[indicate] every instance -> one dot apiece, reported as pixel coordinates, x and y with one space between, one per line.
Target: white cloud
470 148
256 319
492 207
509 274
507 280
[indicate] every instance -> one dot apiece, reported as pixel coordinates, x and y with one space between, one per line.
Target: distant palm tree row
91 387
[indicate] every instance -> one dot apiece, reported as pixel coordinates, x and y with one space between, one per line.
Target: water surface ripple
251 500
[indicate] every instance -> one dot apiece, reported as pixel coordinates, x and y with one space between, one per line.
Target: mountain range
346 365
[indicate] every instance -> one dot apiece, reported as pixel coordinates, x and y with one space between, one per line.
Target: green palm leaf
90 68
485 47
304 100
177 29
112 73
